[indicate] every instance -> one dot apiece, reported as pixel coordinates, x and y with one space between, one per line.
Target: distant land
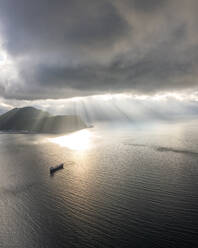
29 119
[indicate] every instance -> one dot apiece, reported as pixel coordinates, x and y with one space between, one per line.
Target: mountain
35 120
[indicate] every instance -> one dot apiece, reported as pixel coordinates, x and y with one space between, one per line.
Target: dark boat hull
56 168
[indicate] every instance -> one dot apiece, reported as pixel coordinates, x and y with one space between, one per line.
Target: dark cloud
68 48
59 25
147 6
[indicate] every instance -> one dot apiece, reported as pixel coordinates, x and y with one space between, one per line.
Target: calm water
121 187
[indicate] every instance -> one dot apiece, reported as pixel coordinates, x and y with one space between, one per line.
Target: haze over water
121 186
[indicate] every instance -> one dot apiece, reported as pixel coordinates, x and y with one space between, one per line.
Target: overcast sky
52 49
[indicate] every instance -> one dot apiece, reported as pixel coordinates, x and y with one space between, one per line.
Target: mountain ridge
34 120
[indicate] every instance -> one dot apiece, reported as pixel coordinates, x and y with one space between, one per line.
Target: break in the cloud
125 108
65 48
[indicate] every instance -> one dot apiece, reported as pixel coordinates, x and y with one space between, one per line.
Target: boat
55 168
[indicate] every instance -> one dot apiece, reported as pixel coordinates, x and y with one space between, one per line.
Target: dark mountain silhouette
35 120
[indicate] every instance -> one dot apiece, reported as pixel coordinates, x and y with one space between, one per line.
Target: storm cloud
66 48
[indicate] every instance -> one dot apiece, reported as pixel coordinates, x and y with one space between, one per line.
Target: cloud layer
65 48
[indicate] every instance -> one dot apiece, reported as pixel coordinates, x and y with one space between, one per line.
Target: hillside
35 120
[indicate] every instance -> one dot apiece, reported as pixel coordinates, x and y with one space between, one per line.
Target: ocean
121 186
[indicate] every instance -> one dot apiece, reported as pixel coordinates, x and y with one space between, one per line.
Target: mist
120 108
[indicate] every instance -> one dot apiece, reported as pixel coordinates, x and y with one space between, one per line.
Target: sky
52 51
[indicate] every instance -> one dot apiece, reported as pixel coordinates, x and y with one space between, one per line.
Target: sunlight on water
79 141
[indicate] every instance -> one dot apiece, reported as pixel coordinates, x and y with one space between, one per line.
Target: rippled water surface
121 187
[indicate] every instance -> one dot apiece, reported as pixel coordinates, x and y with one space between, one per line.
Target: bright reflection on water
79 141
